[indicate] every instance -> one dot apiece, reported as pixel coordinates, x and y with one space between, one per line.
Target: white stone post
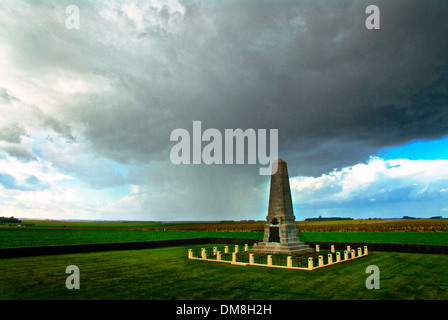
204 253
269 260
366 252
218 256
251 258
348 248
330 258
359 252
190 253
215 250
321 261
317 248
226 249
310 263
345 255
246 247
338 256
236 248
332 248
233 257
353 253
289 262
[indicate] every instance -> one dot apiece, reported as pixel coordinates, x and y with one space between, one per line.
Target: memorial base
289 248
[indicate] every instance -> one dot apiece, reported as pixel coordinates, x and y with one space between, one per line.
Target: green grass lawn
166 273
25 237
434 238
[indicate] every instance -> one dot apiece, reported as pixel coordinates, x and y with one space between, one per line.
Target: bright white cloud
32 188
40 169
142 16
378 180
40 189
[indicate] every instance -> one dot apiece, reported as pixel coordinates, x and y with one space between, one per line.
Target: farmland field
166 273
366 225
27 237
369 225
102 224
47 233
433 238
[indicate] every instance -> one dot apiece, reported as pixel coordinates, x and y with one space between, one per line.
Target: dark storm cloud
336 91
13 133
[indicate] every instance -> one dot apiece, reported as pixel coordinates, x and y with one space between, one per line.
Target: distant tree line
320 218
436 217
9 220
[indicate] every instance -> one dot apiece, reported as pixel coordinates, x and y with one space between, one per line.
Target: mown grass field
48 232
432 238
27 237
166 273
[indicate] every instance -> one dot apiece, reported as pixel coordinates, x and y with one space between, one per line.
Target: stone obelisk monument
280 231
